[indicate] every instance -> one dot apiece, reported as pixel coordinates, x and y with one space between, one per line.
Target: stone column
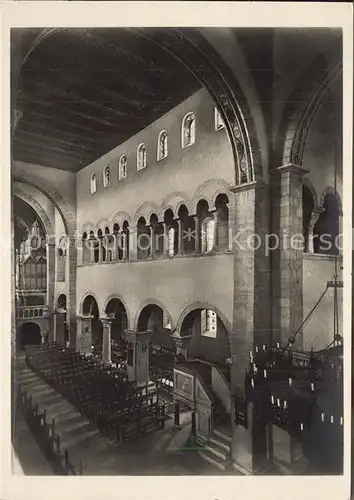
153 242
106 346
197 233
165 239
84 335
287 260
180 237
251 319
138 368
124 243
92 251
314 218
100 250
216 231
114 248
80 252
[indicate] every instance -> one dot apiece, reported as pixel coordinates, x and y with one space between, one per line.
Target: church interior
177 262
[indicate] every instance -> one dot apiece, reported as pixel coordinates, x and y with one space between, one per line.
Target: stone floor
163 452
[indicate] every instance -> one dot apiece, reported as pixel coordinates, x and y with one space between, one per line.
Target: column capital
316 212
291 167
84 316
108 318
137 337
60 311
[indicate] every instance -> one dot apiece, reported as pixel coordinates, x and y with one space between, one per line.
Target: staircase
217 450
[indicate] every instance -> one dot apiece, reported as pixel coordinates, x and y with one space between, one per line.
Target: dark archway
61 301
326 230
151 319
90 308
209 337
30 334
117 309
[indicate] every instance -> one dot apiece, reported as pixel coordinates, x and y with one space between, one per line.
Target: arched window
219 122
208 235
162 146
208 323
141 157
171 242
93 184
106 176
122 167
188 130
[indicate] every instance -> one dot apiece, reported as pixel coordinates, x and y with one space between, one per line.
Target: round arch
21 195
124 304
66 214
174 201
214 345
204 305
87 227
145 210
307 183
88 294
209 191
151 302
101 224
30 333
60 301
120 217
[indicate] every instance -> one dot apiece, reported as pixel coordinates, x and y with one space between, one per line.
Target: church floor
163 452
27 458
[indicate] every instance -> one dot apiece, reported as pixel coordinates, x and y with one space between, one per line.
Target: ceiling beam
62 162
58 132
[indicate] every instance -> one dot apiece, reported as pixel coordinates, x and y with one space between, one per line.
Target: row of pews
103 394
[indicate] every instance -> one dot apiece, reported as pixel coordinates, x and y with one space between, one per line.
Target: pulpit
138 356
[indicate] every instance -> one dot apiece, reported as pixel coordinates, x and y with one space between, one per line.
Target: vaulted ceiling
84 91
